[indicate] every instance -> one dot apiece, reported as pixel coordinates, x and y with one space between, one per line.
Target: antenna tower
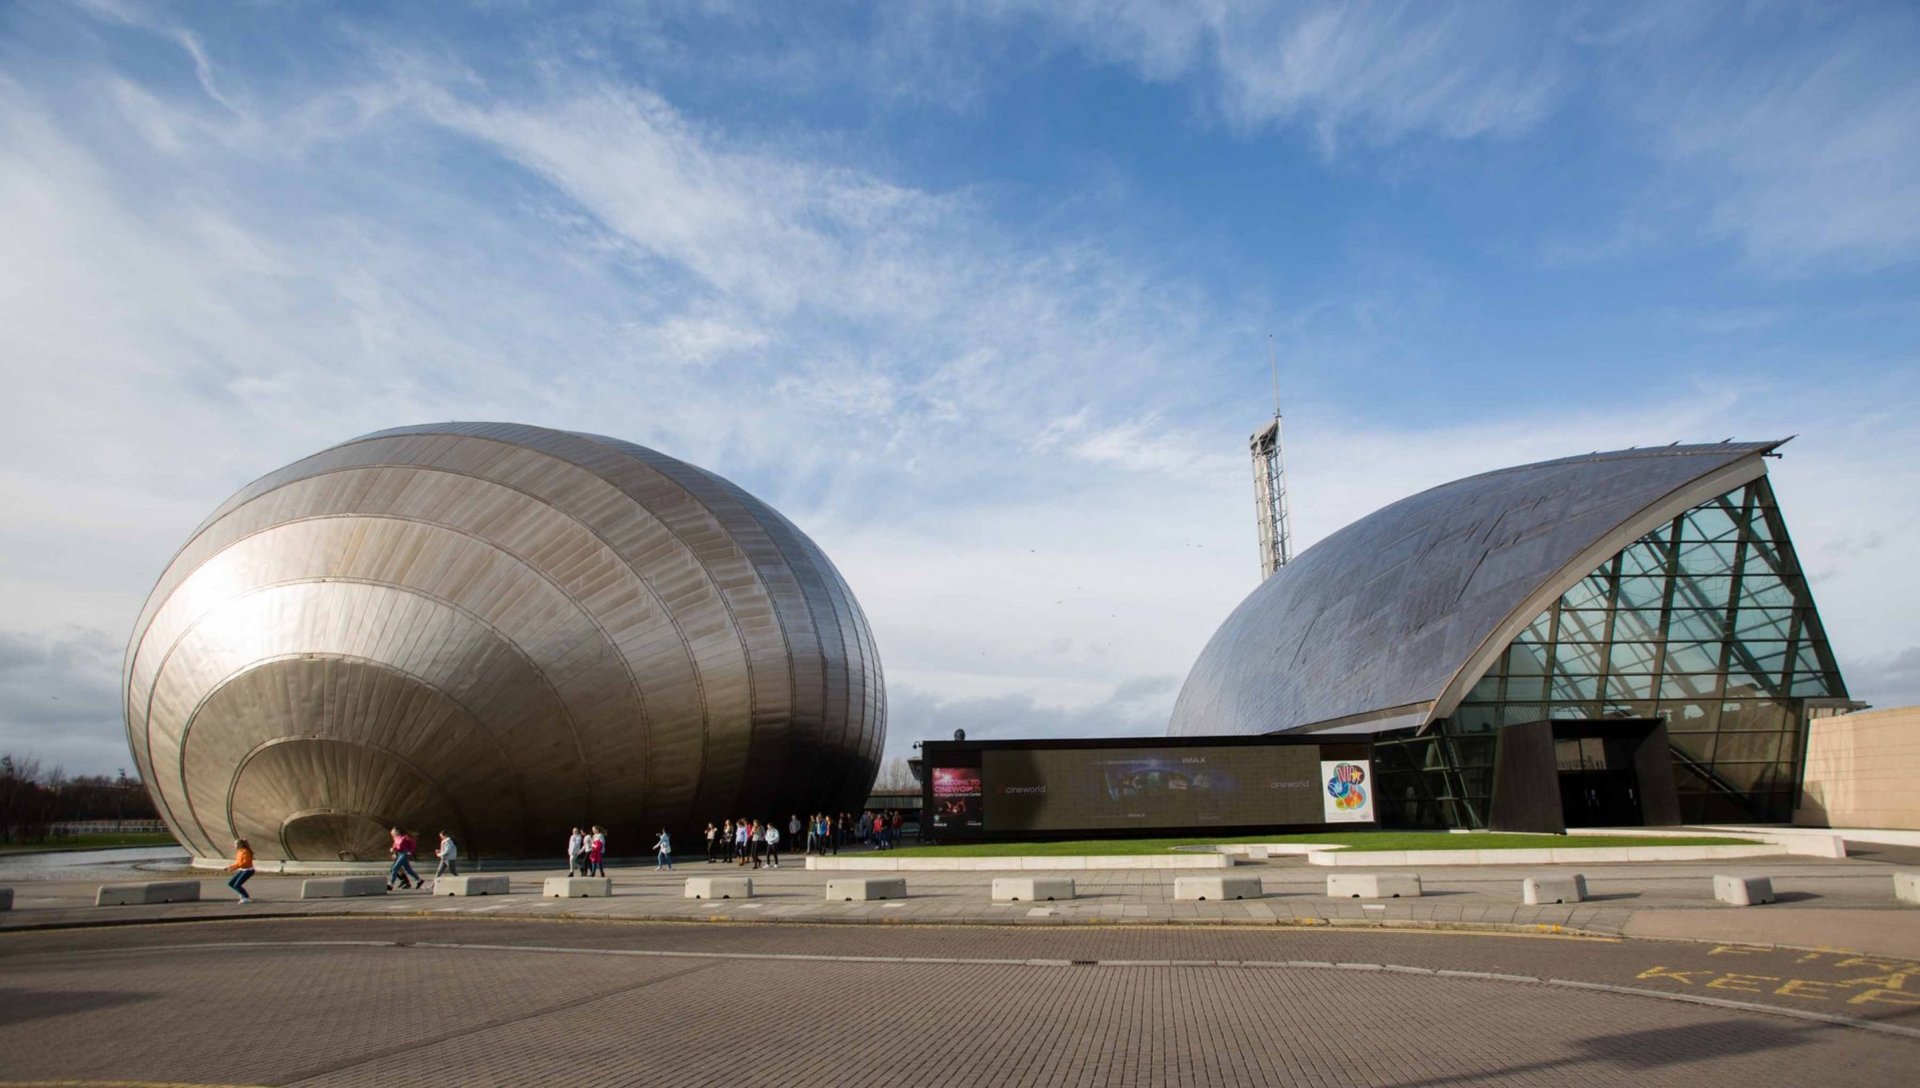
1270 483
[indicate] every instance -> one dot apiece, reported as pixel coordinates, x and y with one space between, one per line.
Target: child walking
242 869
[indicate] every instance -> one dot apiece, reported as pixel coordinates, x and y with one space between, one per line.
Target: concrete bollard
719 887
1259 853
1906 887
1217 887
6 898
1031 889
1553 889
576 887
850 889
1743 891
145 892
491 884
342 887
1373 886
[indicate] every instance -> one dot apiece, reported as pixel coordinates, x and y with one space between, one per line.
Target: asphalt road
366 1000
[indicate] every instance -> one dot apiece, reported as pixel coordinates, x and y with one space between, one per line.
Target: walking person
663 851
242 869
712 841
893 832
773 845
757 842
576 846
741 843
449 855
403 845
597 853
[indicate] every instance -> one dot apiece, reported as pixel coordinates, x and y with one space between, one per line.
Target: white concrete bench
1217 887
719 887
342 887
576 887
1554 889
1906 887
1373 886
152 891
491 884
6 898
1743 891
1031 889
849 889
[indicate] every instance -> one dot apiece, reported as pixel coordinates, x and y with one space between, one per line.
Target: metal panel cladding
1385 623
500 631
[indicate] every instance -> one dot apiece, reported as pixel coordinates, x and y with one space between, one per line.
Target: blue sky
979 295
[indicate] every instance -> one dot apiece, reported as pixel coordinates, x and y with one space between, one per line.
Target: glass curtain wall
1706 623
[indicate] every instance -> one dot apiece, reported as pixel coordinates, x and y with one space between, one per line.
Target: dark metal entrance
1553 775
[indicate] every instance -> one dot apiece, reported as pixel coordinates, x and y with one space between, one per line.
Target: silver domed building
1616 638
501 631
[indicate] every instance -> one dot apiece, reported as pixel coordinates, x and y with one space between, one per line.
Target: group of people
743 841
757 842
401 872
587 852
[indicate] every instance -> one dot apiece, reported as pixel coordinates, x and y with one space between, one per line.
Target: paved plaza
1122 985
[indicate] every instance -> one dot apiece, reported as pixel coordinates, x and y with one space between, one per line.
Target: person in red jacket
403 862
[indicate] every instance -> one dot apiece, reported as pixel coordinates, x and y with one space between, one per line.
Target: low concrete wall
1571 856
144 892
884 864
1861 769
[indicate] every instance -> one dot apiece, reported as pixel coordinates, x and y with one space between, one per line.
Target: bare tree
896 775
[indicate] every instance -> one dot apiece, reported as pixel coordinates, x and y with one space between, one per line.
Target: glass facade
1705 623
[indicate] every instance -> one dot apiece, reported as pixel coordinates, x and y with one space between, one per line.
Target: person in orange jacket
242 869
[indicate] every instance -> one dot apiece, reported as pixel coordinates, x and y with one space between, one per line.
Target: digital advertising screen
956 799
1068 789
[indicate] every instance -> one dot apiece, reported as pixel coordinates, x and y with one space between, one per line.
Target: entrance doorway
1598 785
1555 774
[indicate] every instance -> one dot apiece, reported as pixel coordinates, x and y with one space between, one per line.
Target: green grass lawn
89 842
1355 840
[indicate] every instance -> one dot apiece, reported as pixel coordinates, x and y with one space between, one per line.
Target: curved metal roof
1387 622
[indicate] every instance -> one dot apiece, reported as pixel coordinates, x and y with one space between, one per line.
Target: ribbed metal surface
1379 619
500 631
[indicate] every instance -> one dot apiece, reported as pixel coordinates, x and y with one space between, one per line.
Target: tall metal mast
1270 483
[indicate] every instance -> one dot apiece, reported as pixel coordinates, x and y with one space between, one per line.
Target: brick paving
393 1000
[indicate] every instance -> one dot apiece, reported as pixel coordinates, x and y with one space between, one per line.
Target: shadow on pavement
21 1006
1654 1049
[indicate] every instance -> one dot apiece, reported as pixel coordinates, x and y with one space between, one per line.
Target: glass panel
1642 626
1526 687
1712 592
1475 719
1539 631
1486 691
1749 747
1632 657
1690 686
1526 659
1762 659
1693 657
1646 557
1764 590
1715 557
1583 626
1591 592
1697 624
1575 688
1578 657
1710 522
1576 711
1752 716
1642 593
1618 708
1740 776
1763 623
1629 687
1521 713
1691 717
1697 745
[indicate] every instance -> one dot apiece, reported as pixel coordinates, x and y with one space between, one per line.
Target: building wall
1862 769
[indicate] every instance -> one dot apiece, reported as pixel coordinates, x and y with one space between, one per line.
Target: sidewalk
1840 904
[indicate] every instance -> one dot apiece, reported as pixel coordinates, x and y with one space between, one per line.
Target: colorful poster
1347 791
